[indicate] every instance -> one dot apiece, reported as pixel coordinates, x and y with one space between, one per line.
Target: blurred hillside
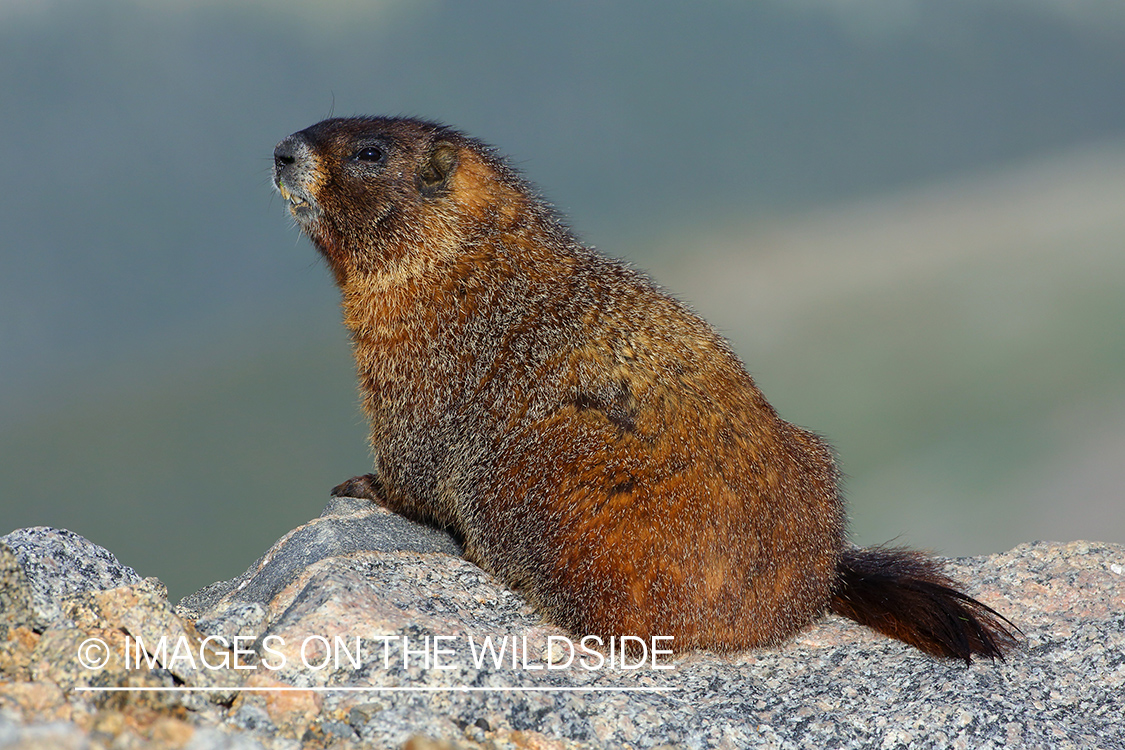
903 214
960 345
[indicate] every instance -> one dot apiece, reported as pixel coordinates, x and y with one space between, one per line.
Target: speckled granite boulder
58 563
348 526
387 644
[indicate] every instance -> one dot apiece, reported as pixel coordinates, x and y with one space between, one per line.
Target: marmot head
369 191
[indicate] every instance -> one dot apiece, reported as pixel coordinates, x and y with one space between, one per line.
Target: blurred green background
908 216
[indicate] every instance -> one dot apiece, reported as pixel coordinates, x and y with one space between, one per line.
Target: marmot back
593 442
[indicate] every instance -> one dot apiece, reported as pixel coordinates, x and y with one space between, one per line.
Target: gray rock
347 526
56 735
212 739
835 685
385 644
58 563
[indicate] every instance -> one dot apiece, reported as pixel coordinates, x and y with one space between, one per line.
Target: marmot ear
437 168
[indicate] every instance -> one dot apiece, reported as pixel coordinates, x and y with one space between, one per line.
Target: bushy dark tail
906 595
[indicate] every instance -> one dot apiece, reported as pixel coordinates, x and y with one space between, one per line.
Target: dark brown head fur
593 442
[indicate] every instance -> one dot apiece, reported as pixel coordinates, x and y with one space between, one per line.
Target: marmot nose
289 151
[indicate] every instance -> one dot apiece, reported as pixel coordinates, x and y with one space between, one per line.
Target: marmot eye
369 154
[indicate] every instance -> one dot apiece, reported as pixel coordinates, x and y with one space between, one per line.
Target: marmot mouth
301 205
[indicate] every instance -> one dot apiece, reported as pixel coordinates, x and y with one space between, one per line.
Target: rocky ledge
360 629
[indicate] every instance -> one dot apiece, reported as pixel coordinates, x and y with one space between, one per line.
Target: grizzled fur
593 442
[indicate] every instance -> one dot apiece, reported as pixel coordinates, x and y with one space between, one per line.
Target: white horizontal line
449 689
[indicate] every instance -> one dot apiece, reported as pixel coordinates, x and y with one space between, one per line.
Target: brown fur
593 442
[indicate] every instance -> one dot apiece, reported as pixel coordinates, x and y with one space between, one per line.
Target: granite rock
348 526
359 643
58 563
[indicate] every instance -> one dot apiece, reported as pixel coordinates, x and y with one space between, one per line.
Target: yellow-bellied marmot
594 443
